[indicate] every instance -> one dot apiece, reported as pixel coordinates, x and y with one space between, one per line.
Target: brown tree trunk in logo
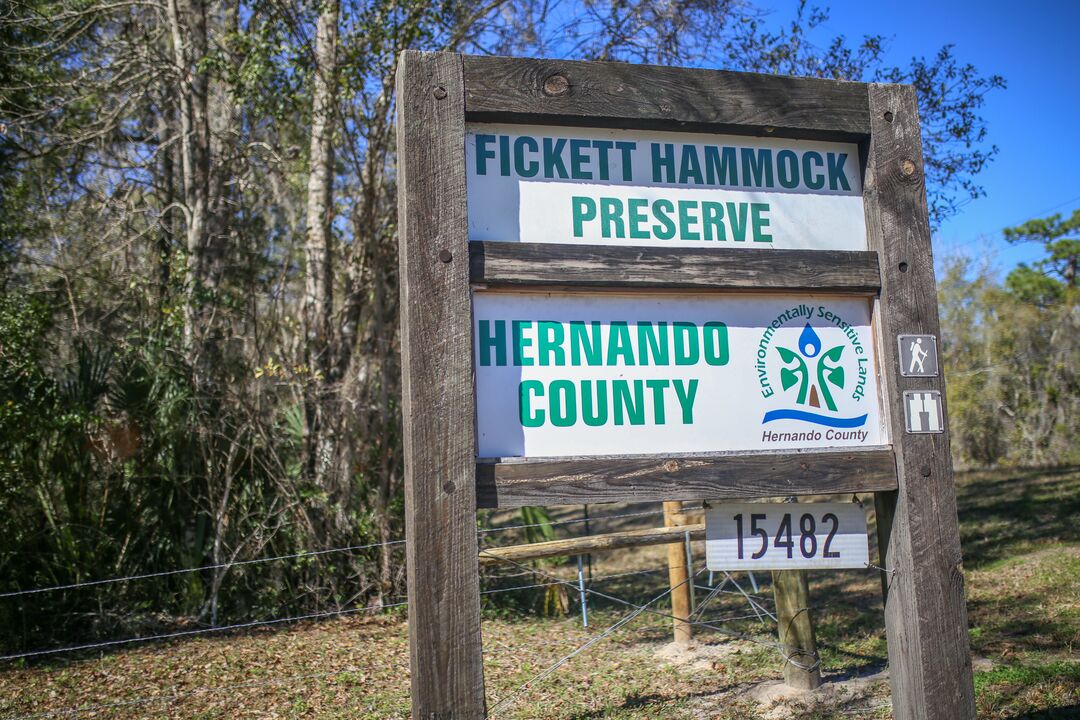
814 402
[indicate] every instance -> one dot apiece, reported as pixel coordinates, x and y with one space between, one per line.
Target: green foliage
161 405
1058 274
1012 362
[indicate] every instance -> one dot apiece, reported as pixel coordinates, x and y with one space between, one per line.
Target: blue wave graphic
814 418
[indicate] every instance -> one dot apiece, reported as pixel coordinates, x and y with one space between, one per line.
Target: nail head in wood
888 116
446 256
555 85
902 267
448 487
439 92
925 470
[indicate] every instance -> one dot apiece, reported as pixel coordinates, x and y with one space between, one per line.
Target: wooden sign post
625 283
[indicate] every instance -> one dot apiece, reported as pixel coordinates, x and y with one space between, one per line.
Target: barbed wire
217 566
300 555
201 631
509 700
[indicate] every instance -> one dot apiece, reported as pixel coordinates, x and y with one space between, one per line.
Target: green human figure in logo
828 372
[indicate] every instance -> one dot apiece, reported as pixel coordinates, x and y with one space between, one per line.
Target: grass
1021 541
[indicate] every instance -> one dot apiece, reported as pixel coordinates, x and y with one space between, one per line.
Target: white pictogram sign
918 355
922 410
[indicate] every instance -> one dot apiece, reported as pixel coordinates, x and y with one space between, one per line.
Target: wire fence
757 604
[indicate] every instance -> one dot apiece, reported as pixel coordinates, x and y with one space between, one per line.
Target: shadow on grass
1006 512
655 701
1071 712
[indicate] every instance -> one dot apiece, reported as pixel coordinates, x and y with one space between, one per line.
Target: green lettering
627 407
713 215
658 386
526 168
553 160
635 217
787 169
528 418
603 147
594 415
562 403
661 211
837 178
489 341
627 163
757 167
737 220
484 153
760 222
549 342
720 166
504 155
687 351
578 160
686 395
619 344
691 168
611 211
686 220
581 345
812 180
584 209
653 341
714 338
663 159
517 328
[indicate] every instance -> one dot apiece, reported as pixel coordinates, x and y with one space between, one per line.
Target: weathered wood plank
592 543
925 615
568 481
438 405
642 96
510 265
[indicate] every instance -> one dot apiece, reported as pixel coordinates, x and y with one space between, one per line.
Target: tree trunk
318 254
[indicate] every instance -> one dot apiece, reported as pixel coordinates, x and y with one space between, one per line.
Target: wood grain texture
569 481
925 615
795 628
640 96
512 265
438 405
679 575
592 543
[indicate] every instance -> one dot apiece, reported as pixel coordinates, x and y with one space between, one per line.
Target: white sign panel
529 183
786 536
605 374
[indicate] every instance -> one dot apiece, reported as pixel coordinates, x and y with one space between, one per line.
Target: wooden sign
571 374
630 187
732 258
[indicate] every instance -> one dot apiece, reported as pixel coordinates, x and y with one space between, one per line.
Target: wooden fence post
791 589
438 411
925 613
678 576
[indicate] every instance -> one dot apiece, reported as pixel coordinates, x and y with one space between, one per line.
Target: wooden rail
593 543
592 267
573 481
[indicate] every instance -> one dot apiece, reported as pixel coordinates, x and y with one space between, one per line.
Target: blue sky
1033 122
